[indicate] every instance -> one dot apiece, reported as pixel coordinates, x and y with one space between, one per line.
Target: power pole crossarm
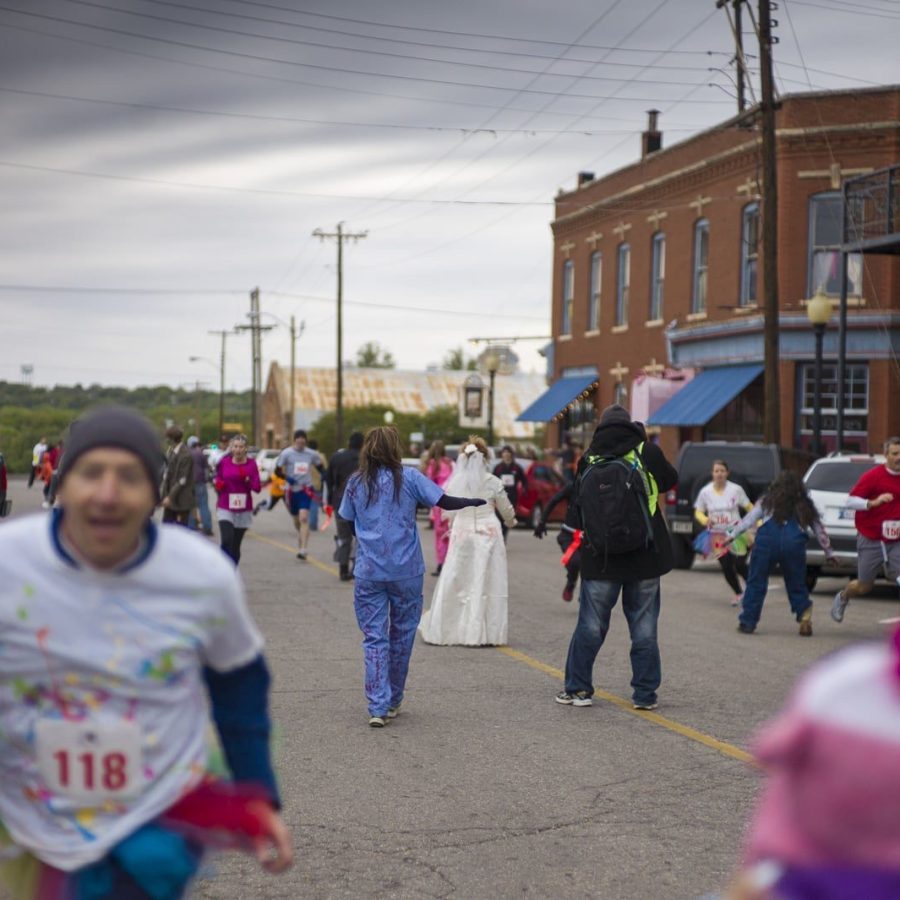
340 236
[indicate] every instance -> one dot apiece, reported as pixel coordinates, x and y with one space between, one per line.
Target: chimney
585 178
651 139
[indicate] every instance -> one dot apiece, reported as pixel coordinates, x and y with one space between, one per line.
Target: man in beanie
635 574
177 490
117 636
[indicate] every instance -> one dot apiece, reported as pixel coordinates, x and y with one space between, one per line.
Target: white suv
829 482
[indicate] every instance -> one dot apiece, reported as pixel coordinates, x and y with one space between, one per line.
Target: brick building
657 281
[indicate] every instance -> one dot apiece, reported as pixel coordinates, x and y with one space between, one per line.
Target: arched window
657 275
701 266
749 254
623 283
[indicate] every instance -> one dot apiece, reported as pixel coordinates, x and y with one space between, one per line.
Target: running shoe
805 629
745 629
393 712
376 722
838 606
567 594
302 555
579 698
645 706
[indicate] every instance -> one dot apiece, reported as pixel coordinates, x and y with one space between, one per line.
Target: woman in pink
236 477
438 468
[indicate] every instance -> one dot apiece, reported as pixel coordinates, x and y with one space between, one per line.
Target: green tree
373 356
455 361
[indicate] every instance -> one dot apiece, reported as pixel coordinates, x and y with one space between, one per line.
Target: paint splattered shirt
103 710
389 548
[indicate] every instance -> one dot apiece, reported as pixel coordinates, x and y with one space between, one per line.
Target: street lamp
818 311
492 364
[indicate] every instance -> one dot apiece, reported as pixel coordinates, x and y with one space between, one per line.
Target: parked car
753 466
543 481
265 462
829 482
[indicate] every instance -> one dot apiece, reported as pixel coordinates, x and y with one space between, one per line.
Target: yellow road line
684 730
623 704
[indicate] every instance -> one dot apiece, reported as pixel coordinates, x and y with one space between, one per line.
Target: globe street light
818 311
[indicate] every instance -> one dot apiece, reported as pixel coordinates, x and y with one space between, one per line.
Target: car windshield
836 477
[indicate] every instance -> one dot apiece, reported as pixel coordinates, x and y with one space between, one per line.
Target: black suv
752 466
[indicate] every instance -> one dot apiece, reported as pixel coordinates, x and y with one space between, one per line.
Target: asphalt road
483 786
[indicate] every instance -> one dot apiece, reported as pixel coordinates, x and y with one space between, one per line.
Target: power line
303 65
857 10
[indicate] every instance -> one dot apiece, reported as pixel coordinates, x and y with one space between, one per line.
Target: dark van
752 466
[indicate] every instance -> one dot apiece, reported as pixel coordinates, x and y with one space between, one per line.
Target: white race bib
720 519
301 468
890 530
508 480
237 501
89 762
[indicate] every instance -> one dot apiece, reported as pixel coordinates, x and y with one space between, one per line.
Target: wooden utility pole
772 411
740 60
224 335
340 236
256 328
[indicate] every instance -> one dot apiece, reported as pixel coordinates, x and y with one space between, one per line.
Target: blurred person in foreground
827 826
380 500
117 636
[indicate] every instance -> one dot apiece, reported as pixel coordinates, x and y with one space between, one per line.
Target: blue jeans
783 545
203 508
640 603
388 613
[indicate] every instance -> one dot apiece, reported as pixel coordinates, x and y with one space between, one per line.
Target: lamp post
818 311
492 364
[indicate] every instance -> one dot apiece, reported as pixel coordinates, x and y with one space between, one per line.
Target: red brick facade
821 138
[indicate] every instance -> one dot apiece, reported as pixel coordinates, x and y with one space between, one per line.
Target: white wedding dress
469 604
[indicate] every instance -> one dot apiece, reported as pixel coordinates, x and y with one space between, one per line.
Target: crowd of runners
121 638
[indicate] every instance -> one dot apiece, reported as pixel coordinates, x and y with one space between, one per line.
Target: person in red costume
876 499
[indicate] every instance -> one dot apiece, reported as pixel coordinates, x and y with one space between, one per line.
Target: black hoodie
616 439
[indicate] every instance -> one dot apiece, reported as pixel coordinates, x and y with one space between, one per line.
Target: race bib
301 468
87 762
720 520
237 502
508 480
890 530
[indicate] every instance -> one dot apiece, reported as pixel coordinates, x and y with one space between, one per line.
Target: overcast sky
160 159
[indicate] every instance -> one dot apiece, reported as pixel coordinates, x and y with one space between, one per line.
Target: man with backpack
625 549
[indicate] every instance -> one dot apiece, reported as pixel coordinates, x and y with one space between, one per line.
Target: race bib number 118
89 762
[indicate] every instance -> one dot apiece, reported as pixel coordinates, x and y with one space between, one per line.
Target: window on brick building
825 231
568 296
749 254
657 275
594 298
701 266
856 404
623 283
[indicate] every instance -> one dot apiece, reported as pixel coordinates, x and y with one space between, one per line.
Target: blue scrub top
386 534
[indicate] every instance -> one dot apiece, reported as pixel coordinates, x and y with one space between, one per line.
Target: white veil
468 473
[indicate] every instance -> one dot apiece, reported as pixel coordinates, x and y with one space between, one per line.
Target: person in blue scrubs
380 500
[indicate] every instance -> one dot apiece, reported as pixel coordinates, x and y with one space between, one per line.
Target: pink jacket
234 483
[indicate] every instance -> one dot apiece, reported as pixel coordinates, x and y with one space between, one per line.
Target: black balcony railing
872 212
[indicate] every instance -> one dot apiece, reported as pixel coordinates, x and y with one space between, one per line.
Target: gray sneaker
376 722
393 712
578 698
646 705
838 606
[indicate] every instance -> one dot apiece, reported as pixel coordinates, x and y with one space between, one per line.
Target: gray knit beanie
115 426
615 415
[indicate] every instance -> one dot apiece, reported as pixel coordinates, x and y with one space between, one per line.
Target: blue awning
700 399
557 397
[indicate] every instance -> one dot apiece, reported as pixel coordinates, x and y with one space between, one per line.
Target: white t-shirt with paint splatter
103 709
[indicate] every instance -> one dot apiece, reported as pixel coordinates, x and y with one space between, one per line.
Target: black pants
344 541
231 540
32 473
176 516
732 566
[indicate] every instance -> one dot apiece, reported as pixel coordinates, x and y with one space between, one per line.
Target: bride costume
469 605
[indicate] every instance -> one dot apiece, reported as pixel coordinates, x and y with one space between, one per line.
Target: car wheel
683 552
537 512
812 576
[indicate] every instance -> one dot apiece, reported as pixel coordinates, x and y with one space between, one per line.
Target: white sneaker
838 606
301 554
376 722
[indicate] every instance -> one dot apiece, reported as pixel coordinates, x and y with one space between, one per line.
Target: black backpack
614 505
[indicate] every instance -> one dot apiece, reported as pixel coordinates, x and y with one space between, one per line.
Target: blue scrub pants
388 613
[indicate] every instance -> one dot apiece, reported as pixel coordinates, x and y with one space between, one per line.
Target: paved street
484 787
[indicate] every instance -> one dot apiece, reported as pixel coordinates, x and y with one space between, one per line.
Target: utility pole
739 59
256 328
224 335
772 412
340 236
